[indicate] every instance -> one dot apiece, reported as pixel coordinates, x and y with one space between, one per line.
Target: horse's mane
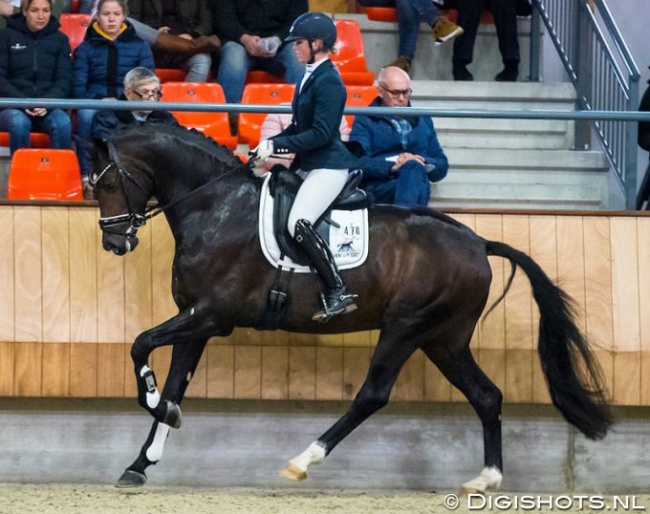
218 155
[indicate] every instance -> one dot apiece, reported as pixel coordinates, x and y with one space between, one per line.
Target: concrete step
523 179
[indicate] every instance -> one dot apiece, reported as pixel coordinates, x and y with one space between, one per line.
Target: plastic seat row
389 14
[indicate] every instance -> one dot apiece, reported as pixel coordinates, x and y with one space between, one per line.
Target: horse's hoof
173 416
466 491
131 478
293 472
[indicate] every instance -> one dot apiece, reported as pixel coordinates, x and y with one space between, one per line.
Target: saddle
283 187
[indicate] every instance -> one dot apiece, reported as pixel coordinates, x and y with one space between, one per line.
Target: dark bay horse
424 286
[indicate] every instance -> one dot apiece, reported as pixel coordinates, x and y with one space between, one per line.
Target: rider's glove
264 150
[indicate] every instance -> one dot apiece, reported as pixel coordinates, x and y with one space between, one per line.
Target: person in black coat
321 156
35 63
140 85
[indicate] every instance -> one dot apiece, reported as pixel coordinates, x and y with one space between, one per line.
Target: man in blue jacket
401 155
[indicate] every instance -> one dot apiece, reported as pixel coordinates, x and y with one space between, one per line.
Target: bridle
128 224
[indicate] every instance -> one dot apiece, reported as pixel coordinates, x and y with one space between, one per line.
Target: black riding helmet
312 26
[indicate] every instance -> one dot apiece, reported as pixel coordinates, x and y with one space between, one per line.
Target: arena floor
83 499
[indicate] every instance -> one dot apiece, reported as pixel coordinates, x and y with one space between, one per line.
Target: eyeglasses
155 94
396 93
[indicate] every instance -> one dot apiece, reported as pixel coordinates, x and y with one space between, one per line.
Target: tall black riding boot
335 300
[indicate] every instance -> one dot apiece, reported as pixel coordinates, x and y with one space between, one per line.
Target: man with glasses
401 154
140 85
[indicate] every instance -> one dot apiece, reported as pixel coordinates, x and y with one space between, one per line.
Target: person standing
505 21
320 155
402 155
35 63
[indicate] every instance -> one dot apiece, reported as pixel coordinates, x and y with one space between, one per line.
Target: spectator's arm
435 155
374 167
204 26
6 87
145 58
81 72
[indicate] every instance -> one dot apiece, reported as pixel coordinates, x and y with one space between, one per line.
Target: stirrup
342 304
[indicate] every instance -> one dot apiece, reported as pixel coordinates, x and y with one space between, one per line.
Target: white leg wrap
153 398
489 479
314 454
155 451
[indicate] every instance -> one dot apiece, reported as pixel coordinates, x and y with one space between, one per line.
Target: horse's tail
573 376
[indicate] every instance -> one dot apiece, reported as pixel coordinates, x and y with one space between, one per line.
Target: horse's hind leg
185 359
464 373
394 348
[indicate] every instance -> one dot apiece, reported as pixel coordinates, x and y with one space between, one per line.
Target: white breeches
316 194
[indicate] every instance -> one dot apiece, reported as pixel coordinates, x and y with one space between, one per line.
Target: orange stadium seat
359 96
44 174
263 77
212 124
74 26
379 13
170 75
36 139
351 59
264 94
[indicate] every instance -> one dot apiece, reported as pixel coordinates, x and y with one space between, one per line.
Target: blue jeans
84 132
410 13
19 124
234 64
409 187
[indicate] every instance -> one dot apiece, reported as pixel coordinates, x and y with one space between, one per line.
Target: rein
133 219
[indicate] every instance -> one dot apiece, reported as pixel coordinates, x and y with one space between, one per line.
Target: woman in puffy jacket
109 50
35 63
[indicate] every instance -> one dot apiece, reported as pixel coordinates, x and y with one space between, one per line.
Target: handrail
605 76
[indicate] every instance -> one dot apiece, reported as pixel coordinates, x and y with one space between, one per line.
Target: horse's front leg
187 325
185 359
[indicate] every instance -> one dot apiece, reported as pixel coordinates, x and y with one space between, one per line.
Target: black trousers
505 21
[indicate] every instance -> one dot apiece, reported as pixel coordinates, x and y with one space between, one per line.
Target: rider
320 154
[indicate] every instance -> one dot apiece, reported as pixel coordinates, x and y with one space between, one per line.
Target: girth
284 186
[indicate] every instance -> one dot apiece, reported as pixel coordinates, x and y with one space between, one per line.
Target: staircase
496 163
512 163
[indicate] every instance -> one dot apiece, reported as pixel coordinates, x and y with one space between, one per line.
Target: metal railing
606 78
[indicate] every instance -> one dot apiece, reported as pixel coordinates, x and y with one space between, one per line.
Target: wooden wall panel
56 274
625 293
69 313
7 296
85 244
28 266
643 236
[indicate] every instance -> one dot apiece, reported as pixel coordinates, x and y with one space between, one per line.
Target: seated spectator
410 13
35 63
109 50
274 123
140 85
253 33
187 19
505 20
401 154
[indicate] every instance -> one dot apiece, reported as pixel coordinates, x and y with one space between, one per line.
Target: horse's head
122 190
